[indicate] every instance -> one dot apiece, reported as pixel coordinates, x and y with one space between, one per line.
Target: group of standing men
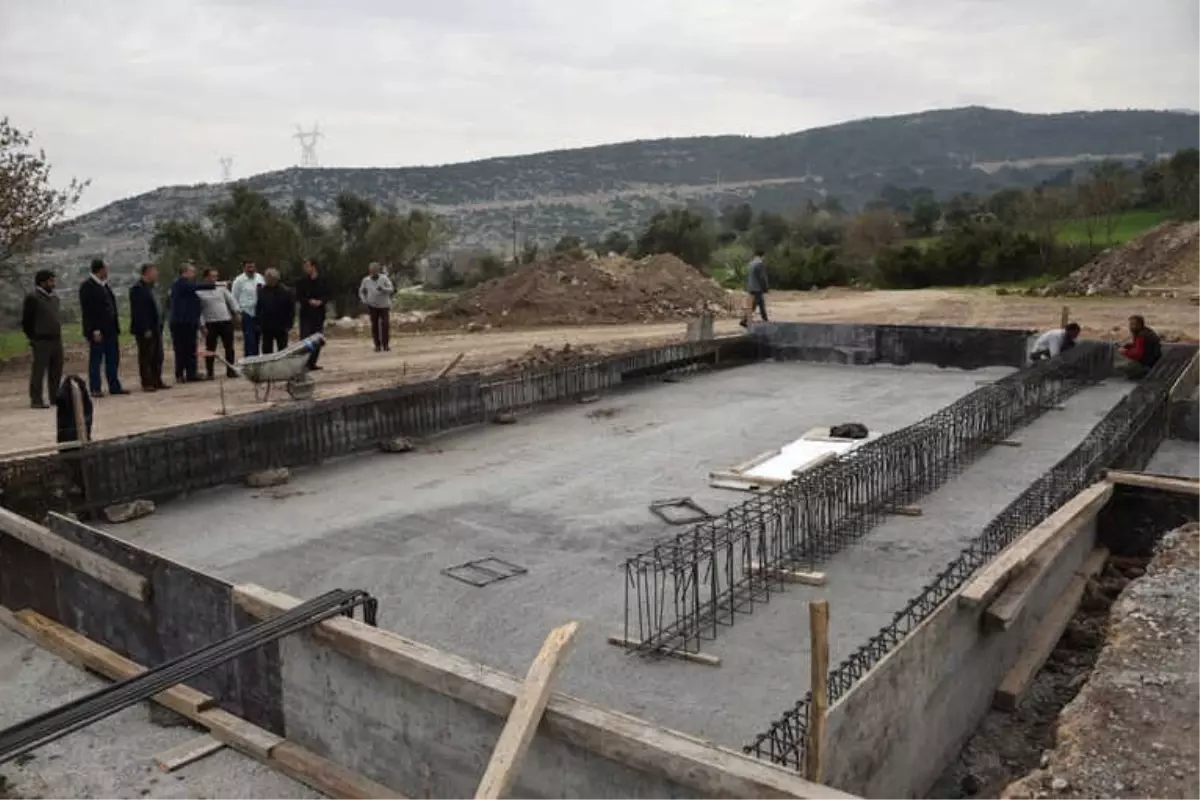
209 308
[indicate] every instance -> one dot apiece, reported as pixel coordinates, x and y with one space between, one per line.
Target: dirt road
352 366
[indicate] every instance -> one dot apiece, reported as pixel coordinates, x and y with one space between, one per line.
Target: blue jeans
250 335
109 352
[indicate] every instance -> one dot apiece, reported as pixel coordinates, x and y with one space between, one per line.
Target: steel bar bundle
1127 437
77 714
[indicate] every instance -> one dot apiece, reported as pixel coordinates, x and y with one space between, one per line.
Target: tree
770 231
924 215
869 232
1110 188
617 242
569 245
681 231
1043 213
737 217
1183 170
29 206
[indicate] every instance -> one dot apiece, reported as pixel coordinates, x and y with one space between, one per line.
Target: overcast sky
136 94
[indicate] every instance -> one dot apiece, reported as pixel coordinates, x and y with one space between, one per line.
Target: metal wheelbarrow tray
289 366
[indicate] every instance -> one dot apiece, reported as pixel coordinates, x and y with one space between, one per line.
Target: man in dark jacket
100 329
276 311
185 322
43 328
146 325
313 295
756 288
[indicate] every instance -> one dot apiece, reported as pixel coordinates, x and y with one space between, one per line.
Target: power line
308 145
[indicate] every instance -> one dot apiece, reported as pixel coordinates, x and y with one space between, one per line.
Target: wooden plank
41 450
183 754
792 575
444 371
522 722
1008 605
305 766
81 431
906 510
683 655
83 652
1046 636
1187 380
108 572
1149 480
706 768
994 576
814 752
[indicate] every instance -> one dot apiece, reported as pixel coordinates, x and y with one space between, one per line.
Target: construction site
807 560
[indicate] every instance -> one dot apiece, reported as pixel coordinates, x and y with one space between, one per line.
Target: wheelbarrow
288 366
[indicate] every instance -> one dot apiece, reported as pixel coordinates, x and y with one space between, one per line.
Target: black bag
849 430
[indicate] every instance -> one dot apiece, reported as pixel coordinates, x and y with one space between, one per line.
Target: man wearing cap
43 328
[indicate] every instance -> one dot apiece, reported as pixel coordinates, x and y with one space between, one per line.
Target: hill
592 190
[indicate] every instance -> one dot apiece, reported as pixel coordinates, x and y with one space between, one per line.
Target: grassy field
12 343
1128 225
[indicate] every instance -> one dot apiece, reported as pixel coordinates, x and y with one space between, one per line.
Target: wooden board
1187 380
906 510
683 655
994 576
303 765
107 572
522 722
702 767
1148 480
1046 636
792 575
184 754
818 623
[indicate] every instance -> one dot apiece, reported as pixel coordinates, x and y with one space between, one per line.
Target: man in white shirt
1052 343
245 294
217 312
376 293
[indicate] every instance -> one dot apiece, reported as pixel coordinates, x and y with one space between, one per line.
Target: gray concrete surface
1176 457
564 494
114 757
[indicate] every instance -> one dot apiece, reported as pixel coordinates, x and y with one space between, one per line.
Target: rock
1045 762
268 477
1060 784
124 512
970 785
505 418
345 323
473 327
401 444
589 398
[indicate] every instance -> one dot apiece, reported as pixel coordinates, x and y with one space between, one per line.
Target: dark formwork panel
186 610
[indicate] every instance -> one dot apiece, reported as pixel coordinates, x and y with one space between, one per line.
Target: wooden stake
184 754
453 363
526 714
818 625
683 655
81 431
1066 316
791 575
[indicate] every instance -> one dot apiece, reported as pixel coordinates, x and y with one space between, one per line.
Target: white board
772 468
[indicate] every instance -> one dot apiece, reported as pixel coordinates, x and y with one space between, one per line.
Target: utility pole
226 168
308 145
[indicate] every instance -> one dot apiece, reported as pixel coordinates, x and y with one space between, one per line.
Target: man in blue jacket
185 321
146 325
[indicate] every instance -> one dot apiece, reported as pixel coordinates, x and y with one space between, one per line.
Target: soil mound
538 356
563 291
1165 256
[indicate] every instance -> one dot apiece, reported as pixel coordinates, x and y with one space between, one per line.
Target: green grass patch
1129 225
12 343
421 301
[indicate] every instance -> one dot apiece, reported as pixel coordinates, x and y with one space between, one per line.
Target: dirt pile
1165 256
538 356
563 291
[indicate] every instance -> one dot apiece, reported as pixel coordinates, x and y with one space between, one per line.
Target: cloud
136 94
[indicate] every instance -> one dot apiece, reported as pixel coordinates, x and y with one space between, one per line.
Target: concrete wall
907 719
187 610
848 343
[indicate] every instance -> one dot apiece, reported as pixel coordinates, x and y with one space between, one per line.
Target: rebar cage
1126 437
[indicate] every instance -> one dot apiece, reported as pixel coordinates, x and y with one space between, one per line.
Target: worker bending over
1055 342
1139 355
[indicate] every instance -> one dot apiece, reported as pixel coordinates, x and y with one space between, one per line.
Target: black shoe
96 395
315 368
387 349
115 392
378 349
742 322
38 404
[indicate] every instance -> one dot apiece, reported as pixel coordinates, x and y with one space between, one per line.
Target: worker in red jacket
1142 351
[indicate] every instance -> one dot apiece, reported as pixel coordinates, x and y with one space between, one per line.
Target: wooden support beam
108 572
522 722
1066 317
791 575
1005 443
994 576
908 510
814 751
1148 480
1046 636
183 754
683 655
446 369
703 767
303 765
1187 381
1007 606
